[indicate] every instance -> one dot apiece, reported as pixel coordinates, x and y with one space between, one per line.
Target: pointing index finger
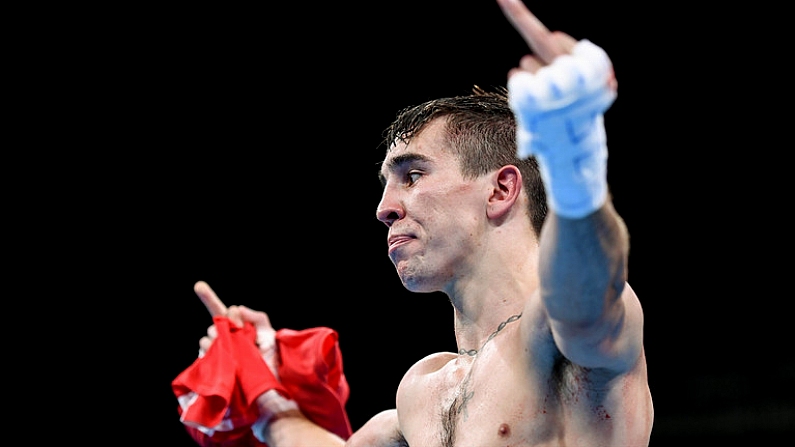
214 305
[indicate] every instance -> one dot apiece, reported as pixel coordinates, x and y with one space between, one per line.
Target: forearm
292 428
282 424
594 314
583 265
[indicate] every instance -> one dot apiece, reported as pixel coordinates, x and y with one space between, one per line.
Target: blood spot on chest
602 412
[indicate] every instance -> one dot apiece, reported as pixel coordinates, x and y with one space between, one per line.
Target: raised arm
594 314
559 95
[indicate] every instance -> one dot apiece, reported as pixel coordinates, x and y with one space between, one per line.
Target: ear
507 183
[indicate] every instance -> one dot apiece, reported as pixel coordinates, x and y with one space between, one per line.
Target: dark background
239 147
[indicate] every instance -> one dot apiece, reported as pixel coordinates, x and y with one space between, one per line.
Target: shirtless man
550 334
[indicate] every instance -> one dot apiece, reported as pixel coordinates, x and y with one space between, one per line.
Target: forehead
430 146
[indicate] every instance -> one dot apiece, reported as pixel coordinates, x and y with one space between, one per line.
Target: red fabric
311 370
229 377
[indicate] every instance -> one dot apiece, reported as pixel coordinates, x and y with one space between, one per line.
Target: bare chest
479 403
493 402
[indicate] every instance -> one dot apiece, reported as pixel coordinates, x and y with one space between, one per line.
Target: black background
240 148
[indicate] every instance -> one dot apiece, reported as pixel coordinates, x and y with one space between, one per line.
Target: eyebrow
396 163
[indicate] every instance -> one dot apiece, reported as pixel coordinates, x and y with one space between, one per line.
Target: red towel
217 393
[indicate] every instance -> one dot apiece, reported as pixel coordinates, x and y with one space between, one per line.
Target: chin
415 279
418 284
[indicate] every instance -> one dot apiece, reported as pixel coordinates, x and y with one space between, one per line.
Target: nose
389 209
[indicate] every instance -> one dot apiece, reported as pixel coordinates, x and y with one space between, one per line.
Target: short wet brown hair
481 129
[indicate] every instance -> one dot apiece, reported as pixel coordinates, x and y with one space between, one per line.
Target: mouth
396 241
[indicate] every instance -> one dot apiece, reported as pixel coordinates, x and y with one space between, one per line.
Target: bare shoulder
429 364
422 381
382 430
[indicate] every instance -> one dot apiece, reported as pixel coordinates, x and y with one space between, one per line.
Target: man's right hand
239 315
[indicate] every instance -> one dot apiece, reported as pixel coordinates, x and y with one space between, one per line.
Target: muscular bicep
382 430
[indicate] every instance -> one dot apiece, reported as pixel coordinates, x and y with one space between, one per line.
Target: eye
412 177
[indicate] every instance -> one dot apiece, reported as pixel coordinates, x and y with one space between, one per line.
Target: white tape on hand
559 111
266 342
270 404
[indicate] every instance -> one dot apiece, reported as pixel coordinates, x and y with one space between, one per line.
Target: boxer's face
435 216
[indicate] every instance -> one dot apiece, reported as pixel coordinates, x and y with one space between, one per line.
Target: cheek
453 225
455 208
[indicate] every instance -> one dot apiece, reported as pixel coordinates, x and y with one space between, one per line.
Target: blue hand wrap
559 110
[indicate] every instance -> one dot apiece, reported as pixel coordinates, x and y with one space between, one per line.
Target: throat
474 352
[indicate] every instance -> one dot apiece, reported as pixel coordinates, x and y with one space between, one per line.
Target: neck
500 327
